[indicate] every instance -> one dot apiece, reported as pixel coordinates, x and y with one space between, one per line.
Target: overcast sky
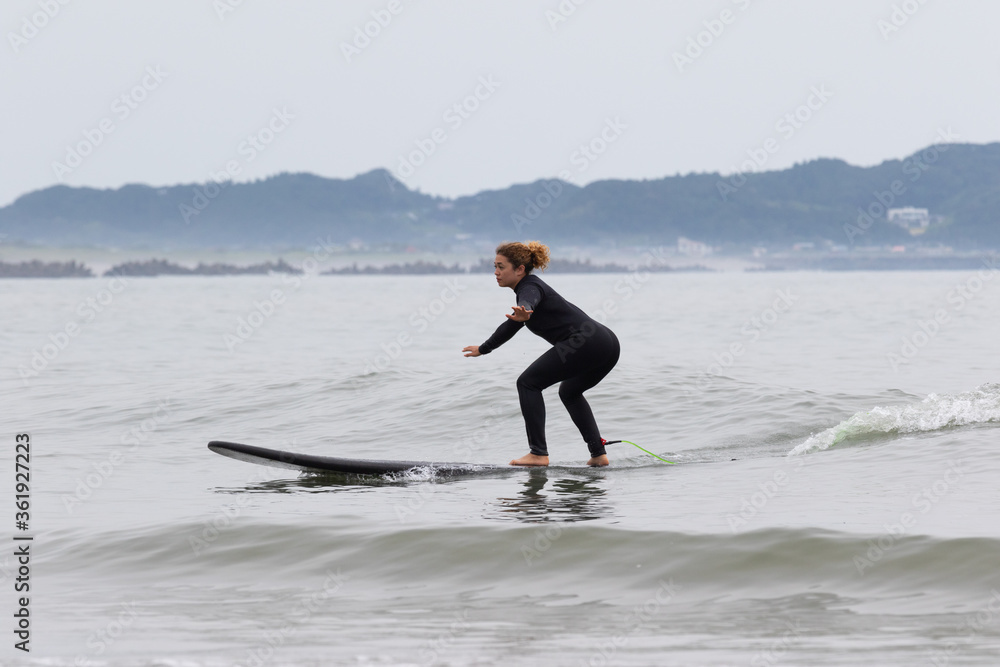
103 93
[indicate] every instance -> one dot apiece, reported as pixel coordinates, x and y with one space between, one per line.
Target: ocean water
834 499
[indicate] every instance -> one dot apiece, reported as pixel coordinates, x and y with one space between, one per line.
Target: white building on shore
915 220
691 248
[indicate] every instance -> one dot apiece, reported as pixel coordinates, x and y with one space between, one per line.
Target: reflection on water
308 484
544 495
567 499
313 482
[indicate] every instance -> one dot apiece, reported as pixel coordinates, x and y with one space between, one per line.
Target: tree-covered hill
821 200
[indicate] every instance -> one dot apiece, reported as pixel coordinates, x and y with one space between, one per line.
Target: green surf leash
612 442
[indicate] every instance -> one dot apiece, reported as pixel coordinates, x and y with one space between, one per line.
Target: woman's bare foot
597 461
531 460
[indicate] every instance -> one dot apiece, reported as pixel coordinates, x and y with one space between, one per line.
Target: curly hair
533 255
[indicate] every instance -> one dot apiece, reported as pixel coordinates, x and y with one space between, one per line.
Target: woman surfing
583 350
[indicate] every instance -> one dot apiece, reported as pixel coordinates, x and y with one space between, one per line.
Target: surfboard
277 458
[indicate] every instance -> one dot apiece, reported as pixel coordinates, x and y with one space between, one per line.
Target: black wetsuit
583 352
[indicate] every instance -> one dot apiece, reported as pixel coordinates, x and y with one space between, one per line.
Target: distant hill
287 209
810 202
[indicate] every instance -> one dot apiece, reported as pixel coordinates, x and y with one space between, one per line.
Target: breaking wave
934 413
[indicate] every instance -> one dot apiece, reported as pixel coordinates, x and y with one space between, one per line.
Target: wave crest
979 406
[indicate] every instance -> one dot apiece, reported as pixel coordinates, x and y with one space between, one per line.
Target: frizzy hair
533 255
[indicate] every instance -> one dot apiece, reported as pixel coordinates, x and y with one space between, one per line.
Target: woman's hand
520 314
471 351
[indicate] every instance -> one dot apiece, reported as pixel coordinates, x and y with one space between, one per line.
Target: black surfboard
277 458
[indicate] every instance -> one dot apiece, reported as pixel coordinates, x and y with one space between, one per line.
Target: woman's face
507 275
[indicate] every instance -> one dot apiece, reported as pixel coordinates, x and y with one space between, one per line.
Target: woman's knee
527 382
569 393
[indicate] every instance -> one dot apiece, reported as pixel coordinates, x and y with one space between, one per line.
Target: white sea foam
979 406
